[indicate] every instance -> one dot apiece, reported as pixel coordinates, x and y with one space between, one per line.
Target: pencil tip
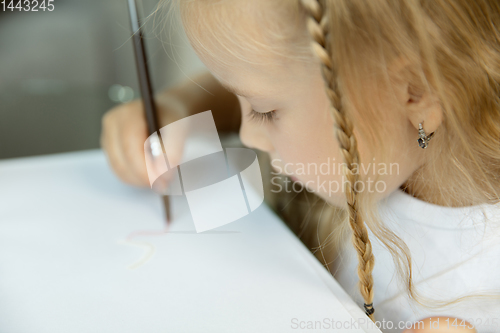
166 204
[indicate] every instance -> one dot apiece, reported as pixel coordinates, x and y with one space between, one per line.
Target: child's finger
116 153
133 138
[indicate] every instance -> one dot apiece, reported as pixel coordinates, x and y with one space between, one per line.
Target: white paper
218 204
65 265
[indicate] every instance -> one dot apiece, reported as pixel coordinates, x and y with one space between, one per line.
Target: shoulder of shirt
408 209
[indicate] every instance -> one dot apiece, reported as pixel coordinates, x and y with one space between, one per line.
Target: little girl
385 114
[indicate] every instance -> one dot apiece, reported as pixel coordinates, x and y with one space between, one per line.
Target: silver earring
423 139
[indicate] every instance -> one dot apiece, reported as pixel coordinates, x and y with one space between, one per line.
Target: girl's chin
335 199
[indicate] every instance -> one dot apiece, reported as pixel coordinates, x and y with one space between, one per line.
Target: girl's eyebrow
239 92
236 91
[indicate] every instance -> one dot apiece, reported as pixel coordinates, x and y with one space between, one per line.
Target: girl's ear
420 103
424 107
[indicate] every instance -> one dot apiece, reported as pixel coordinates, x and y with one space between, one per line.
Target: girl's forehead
255 81
250 75
248 45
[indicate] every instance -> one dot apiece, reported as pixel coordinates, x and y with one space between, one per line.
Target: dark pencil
145 84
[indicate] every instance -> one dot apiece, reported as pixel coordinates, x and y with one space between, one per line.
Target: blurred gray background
61 71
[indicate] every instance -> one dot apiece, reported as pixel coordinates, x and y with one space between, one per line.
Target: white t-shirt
455 252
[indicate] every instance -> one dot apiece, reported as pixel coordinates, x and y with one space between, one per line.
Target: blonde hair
454 49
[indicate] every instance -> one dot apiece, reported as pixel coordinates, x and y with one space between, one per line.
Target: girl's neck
431 194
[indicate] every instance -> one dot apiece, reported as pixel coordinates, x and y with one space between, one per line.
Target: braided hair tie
369 309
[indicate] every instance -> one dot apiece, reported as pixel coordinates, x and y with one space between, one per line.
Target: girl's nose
252 133
255 136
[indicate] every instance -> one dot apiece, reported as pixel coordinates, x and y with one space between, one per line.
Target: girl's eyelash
263 117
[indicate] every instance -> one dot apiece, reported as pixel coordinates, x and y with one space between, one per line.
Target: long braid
317 25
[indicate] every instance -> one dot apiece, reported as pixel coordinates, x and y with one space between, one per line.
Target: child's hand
124 131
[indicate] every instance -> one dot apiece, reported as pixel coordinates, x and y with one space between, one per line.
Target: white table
64 265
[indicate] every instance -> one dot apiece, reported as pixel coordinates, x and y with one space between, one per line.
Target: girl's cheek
310 156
